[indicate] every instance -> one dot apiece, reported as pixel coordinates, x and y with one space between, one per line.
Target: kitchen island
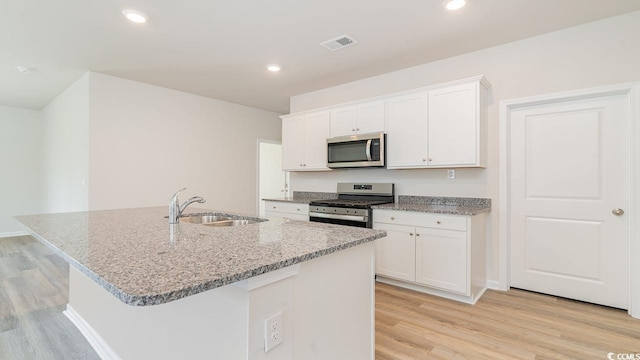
142 289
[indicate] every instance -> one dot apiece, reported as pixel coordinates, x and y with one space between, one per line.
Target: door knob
617 212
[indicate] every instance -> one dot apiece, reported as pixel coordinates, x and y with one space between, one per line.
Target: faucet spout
194 199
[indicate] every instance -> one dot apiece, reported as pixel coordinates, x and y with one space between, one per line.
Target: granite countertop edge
292 200
157 299
445 210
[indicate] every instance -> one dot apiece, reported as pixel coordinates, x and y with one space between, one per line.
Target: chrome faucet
175 209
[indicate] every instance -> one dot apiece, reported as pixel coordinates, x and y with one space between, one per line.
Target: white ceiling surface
219 49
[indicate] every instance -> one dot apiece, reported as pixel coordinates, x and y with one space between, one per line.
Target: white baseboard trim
12 234
496 285
95 340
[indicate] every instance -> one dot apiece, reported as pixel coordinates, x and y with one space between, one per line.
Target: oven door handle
338 217
368 150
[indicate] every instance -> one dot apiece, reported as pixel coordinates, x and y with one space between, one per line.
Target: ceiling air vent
340 42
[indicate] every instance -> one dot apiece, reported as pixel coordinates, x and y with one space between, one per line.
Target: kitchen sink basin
217 220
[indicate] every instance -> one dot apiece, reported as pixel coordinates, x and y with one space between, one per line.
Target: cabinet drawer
288 208
438 221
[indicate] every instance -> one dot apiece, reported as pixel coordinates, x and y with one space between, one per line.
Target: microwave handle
368 150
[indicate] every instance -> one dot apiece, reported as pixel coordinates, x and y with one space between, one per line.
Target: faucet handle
174 198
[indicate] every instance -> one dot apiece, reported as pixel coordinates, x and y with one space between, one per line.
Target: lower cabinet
295 211
442 255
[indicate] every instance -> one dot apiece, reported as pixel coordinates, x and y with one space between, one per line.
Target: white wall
147 142
594 54
66 149
20 163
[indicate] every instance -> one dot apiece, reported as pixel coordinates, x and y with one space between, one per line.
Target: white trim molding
632 90
95 340
12 234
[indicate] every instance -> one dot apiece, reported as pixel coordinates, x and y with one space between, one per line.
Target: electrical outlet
272 331
451 174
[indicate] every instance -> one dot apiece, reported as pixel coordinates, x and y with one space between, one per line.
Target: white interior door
568 175
272 181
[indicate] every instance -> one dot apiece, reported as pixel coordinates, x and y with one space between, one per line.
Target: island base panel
327 305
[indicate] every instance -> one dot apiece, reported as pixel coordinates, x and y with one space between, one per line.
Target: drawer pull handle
438 222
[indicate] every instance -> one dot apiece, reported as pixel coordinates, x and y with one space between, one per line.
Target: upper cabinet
442 127
358 119
407 130
304 142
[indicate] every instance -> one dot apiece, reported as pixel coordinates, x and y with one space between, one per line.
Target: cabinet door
293 143
370 118
396 253
454 125
407 131
343 121
316 133
442 259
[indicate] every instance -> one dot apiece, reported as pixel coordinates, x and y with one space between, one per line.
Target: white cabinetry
438 254
304 142
407 131
294 211
358 119
442 127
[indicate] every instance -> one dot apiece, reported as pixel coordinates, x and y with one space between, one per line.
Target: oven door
367 150
340 216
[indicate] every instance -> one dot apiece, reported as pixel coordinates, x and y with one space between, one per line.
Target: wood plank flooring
33 293
409 325
502 325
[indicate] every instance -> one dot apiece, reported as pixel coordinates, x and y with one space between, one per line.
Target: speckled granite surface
439 205
137 256
305 197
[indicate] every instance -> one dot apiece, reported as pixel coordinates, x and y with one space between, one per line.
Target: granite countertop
305 197
138 257
439 205
296 200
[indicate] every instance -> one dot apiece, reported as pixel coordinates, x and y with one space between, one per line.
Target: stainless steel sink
217 220
231 222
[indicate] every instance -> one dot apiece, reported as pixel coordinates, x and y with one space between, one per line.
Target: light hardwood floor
33 293
502 325
409 325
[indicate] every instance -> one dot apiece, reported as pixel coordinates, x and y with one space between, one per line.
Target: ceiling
220 49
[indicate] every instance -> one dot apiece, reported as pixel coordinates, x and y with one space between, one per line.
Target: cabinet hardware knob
357 129
438 222
392 218
274 207
430 159
617 212
410 234
353 129
417 234
424 159
297 209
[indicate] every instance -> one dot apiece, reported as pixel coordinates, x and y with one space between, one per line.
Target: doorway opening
273 182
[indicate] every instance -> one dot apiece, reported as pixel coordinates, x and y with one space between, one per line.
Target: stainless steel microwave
365 150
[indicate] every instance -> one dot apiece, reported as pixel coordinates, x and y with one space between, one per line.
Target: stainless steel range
353 205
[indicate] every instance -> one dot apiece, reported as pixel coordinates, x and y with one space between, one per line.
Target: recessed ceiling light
273 67
135 16
455 4
25 69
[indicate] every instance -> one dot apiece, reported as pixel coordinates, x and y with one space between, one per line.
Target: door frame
632 91
258 142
